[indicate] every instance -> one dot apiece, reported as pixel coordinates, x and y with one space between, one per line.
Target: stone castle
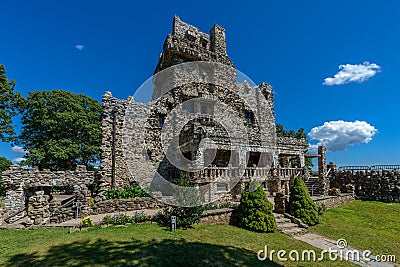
195 75
221 133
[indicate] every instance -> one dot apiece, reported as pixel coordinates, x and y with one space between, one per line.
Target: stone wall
225 216
123 205
28 192
382 185
330 202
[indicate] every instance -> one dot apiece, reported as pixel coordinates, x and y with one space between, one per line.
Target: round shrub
255 211
301 205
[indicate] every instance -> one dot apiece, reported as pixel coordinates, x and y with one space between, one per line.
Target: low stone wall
22 185
123 205
330 202
225 216
380 185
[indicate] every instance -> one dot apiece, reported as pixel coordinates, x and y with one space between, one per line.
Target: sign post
173 223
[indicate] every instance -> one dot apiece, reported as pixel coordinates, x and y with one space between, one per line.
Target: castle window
249 116
204 43
222 187
161 120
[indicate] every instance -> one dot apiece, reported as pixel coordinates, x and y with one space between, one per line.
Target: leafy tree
9 103
301 205
281 132
4 164
255 211
189 212
60 130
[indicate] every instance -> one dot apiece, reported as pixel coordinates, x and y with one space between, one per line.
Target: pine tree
255 211
301 205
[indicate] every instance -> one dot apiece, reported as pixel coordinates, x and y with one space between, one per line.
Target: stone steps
286 226
309 184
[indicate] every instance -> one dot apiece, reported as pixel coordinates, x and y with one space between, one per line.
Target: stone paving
327 244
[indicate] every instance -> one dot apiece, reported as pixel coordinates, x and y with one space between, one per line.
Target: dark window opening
161 120
253 158
222 157
249 116
204 43
188 155
222 187
264 185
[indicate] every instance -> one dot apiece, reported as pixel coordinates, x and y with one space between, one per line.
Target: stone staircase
313 180
285 225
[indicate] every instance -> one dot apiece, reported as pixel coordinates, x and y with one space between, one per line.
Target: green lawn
145 245
365 225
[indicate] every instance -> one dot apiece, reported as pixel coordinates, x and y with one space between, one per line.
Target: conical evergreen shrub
301 205
255 211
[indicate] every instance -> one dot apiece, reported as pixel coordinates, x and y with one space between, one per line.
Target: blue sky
93 46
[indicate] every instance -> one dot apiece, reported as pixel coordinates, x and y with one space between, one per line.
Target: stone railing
289 172
212 172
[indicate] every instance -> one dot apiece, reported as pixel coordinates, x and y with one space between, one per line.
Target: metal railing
369 168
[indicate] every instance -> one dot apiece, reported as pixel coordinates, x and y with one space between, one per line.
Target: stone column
322 169
38 208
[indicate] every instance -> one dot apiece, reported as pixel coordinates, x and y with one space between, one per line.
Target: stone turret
187 43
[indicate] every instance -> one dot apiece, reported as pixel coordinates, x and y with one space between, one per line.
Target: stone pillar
323 186
301 161
38 208
280 203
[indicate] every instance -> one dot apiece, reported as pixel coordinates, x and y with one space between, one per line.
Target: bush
132 191
2 189
121 219
185 216
301 205
255 211
141 217
87 222
118 219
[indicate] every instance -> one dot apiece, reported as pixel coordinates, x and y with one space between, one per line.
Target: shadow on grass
137 253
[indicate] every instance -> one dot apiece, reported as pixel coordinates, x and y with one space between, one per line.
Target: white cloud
353 73
18 150
339 135
79 46
18 160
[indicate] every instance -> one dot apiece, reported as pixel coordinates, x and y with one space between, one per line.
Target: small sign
173 223
78 205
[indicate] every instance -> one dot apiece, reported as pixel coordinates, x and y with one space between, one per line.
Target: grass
146 245
365 225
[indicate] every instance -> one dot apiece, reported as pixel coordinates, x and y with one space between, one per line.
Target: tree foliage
60 130
9 103
129 191
188 212
301 205
281 132
255 211
4 164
